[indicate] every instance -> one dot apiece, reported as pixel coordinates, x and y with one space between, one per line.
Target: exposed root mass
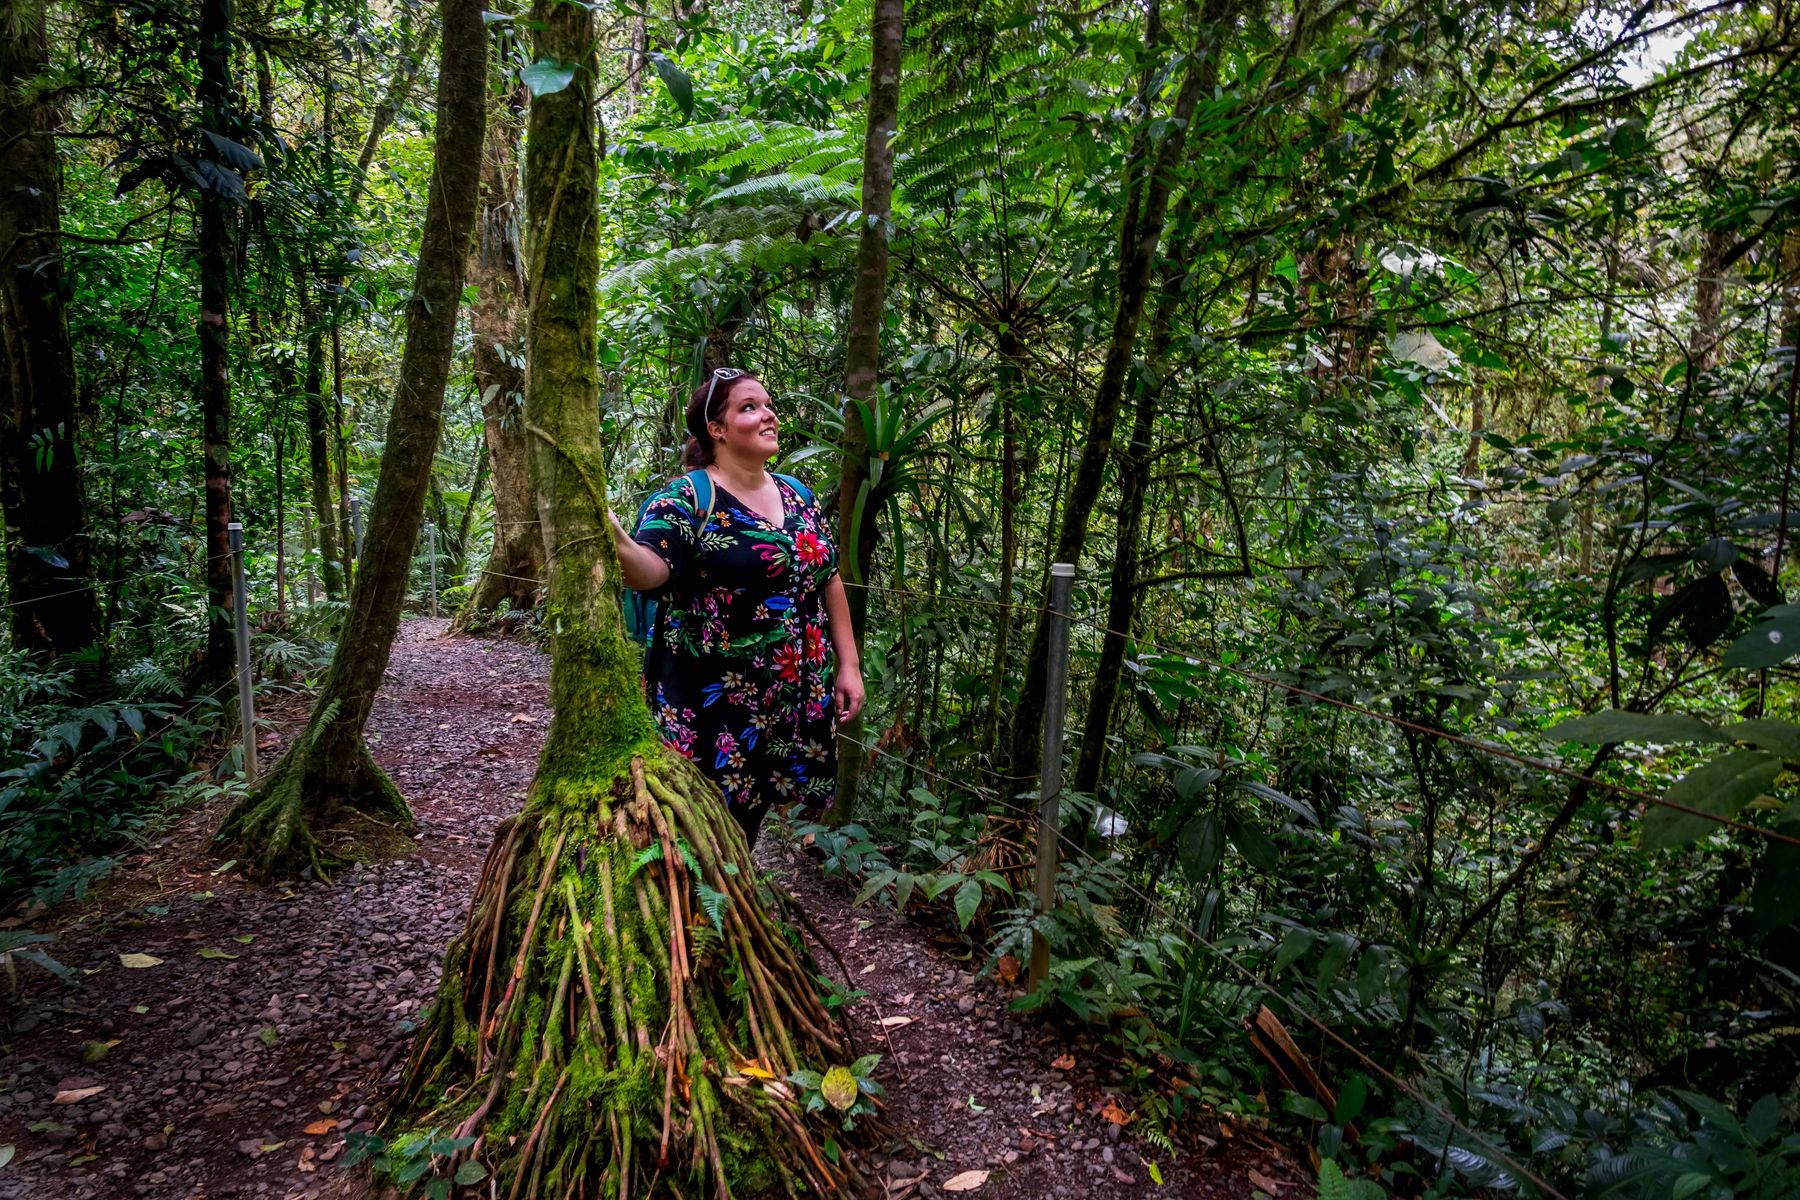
619 1016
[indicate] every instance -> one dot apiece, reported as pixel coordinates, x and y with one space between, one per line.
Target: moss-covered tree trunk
617 1017
329 767
516 562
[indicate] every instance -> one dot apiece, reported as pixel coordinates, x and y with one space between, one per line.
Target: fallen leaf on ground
139 960
1258 1179
244 939
1007 969
1065 1063
904 998
214 952
895 1022
140 1009
1115 1114
868 968
271 1147
524 718
968 1181
325 1126
72 1095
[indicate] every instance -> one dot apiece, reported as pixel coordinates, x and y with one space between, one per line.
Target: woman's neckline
780 497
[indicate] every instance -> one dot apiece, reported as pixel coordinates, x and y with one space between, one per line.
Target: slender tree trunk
516 562
217 231
862 359
1150 177
1011 379
618 972
465 524
329 766
400 86
1122 589
50 591
318 457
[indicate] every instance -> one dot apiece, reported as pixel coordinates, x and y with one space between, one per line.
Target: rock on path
276 1016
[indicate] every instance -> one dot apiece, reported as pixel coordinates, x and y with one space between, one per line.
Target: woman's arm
848 692
642 570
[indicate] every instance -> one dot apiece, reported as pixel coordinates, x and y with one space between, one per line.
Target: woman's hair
702 409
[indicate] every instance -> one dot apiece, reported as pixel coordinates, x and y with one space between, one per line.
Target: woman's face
747 426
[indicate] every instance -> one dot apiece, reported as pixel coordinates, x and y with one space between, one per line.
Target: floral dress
739 669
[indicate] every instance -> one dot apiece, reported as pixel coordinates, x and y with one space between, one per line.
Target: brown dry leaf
904 998
968 1181
1259 1180
74 1095
325 1126
896 1022
1065 1063
1007 969
868 968
1115 1114
139 960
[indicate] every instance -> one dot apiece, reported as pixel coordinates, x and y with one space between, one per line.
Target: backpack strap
800 489
702 484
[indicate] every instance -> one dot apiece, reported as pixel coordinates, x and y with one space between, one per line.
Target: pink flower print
810 549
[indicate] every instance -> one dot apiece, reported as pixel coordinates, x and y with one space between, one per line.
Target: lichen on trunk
620 1013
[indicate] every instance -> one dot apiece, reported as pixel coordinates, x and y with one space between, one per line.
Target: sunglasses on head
725 373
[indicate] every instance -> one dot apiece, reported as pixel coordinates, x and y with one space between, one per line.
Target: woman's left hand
848 694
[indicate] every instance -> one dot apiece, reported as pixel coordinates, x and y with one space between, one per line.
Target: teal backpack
640 608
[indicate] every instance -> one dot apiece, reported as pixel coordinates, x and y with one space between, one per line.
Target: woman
751 613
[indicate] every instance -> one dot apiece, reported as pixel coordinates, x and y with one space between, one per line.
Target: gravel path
272 1018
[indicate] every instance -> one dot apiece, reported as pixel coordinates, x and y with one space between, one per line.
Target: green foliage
423 1164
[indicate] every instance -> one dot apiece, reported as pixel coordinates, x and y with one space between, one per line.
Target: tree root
275 829
620 1014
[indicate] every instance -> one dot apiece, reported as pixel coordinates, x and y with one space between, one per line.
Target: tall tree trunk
329 766
49 586
862 358
1011 380
218 212
1121 596
617 968
1150 177
318 457
516 562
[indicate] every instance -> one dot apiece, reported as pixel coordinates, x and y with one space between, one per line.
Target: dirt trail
275 1016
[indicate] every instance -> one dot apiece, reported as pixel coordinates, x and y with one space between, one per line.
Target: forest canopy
1411 385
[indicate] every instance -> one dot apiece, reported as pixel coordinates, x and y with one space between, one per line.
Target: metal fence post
246 699
356 526
1062 582
431 553
312 576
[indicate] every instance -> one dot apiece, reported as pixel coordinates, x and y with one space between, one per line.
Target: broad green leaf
1200 848
1255 845
839 1088
1296 943
1721 787
1767 645
681 88
1777 737
1615 725
1775 896
1690 1184
547 76
968 899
